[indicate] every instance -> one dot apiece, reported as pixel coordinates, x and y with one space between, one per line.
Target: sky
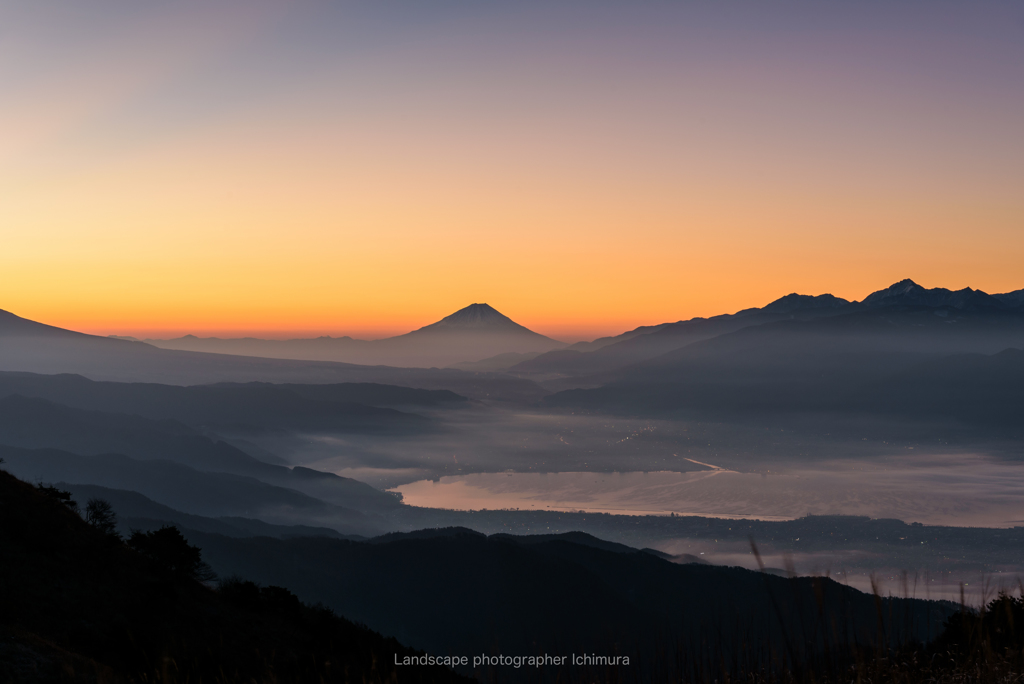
325 167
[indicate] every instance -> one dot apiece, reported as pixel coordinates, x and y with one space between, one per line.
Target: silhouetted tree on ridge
170 550
58 495
100 514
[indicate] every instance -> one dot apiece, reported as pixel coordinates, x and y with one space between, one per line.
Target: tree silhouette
58 495
100 514
169 549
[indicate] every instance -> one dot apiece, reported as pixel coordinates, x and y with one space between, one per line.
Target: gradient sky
322 167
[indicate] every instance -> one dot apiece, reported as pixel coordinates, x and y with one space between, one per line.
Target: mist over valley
905 406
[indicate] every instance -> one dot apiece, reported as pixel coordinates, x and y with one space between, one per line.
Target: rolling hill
40 424
186 489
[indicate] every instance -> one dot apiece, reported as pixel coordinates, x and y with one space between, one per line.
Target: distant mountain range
28 346
898 351
591 360
480 339
909 293
468 335
793 340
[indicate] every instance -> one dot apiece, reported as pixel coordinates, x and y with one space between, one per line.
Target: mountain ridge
471 334
477 333
908 293
562 369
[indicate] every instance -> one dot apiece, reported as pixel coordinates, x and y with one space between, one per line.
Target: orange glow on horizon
326 168
569 327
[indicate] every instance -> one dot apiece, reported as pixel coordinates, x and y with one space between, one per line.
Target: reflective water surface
962 490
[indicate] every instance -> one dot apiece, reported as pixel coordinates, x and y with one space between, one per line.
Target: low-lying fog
488 458
481 461
967 490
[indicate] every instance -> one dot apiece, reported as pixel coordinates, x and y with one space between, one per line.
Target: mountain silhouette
584 365
471 334
797 302
650 342
12 325
908 293
429 357
477 317
811 365
30 347
1013 299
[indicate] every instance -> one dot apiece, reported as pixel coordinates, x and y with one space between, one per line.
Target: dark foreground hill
458 591
77 605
